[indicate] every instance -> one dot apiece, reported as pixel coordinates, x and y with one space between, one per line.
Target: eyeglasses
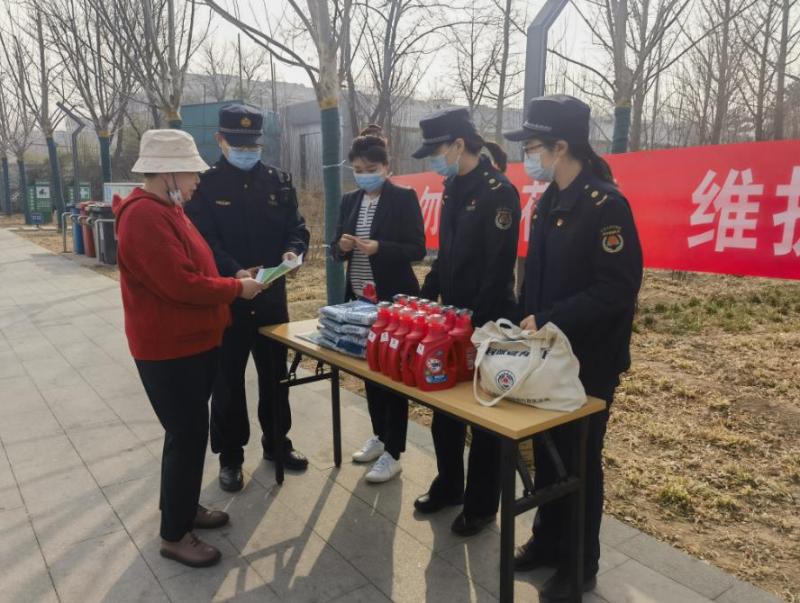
529 150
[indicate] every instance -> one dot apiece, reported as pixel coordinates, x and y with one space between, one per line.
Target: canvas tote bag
536 369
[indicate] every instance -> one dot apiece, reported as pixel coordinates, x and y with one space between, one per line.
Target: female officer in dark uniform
582 273
478 238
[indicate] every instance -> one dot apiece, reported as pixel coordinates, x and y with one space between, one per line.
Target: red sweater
176 303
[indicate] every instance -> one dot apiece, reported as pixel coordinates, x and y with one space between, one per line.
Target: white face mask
175 194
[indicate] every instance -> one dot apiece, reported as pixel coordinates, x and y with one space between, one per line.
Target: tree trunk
328 97
501 85
104 138
119 136
623 80
173 115
780 88
23 190
55 177
6 186
721 105
637 114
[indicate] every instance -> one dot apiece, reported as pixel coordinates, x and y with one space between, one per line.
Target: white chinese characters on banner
734 210
431 204
789 218
533 191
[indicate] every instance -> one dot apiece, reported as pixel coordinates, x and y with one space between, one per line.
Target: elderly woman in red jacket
176 309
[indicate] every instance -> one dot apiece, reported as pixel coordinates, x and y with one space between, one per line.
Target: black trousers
179 390
230 425
552 522
389 414
482 493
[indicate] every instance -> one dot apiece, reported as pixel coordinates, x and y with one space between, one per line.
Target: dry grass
702 449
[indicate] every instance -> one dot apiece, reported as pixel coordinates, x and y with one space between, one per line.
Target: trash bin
88 236
77 229
106 244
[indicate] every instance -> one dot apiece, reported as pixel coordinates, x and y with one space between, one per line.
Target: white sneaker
371 450
384 470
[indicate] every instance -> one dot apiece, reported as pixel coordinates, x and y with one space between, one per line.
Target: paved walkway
79 463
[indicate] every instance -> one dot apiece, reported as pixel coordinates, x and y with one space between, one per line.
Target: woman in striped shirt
380 233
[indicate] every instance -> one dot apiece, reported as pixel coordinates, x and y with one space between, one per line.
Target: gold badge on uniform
560 222
502 218
222 202
611 238
245 122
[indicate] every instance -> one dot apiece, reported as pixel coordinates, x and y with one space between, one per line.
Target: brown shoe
210 520
191 551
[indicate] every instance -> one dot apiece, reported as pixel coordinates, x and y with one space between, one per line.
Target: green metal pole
332 182
23 190
6 186
105 154
622 127
55 178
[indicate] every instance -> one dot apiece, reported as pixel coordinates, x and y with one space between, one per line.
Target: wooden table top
509 419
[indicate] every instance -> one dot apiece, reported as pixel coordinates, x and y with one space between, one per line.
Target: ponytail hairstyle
370 145
474 143
583 152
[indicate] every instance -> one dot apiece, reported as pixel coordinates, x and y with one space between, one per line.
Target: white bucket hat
168 151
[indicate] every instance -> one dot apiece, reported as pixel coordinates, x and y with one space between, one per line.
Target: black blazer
398 228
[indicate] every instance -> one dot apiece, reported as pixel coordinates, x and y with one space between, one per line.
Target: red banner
730 209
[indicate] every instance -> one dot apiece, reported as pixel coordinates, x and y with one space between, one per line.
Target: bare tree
396 38
16 131
320 24
478 47
87 50
630 32
160 37
757 31
35 76
506 72
219 67
787 43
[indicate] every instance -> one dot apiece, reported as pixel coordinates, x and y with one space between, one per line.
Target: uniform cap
559 117
166 152
443 126
241 125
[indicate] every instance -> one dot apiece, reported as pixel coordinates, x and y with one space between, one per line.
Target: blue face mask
440 166
535 169
370 182
243 159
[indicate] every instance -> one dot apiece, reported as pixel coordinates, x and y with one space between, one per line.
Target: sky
569 29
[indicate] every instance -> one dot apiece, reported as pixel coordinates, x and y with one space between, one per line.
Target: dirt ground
702 449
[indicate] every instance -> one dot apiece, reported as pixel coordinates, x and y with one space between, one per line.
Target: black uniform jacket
583 272
478 236
397 226
250 219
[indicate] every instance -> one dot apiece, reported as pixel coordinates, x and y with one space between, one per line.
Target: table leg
337 418
578 511
508 470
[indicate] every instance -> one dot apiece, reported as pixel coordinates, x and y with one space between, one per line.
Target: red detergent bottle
374 337
393 366
386 336
401 298
422 304
462 344
450 314
412 302
409 349
434 308
435 364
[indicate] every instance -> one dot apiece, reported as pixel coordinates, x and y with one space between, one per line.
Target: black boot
231 478
469 526
529 557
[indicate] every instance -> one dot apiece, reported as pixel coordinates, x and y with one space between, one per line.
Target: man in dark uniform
583 272
474 269
248 213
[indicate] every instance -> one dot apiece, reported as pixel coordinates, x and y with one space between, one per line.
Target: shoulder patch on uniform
601 201
502 218
611 239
